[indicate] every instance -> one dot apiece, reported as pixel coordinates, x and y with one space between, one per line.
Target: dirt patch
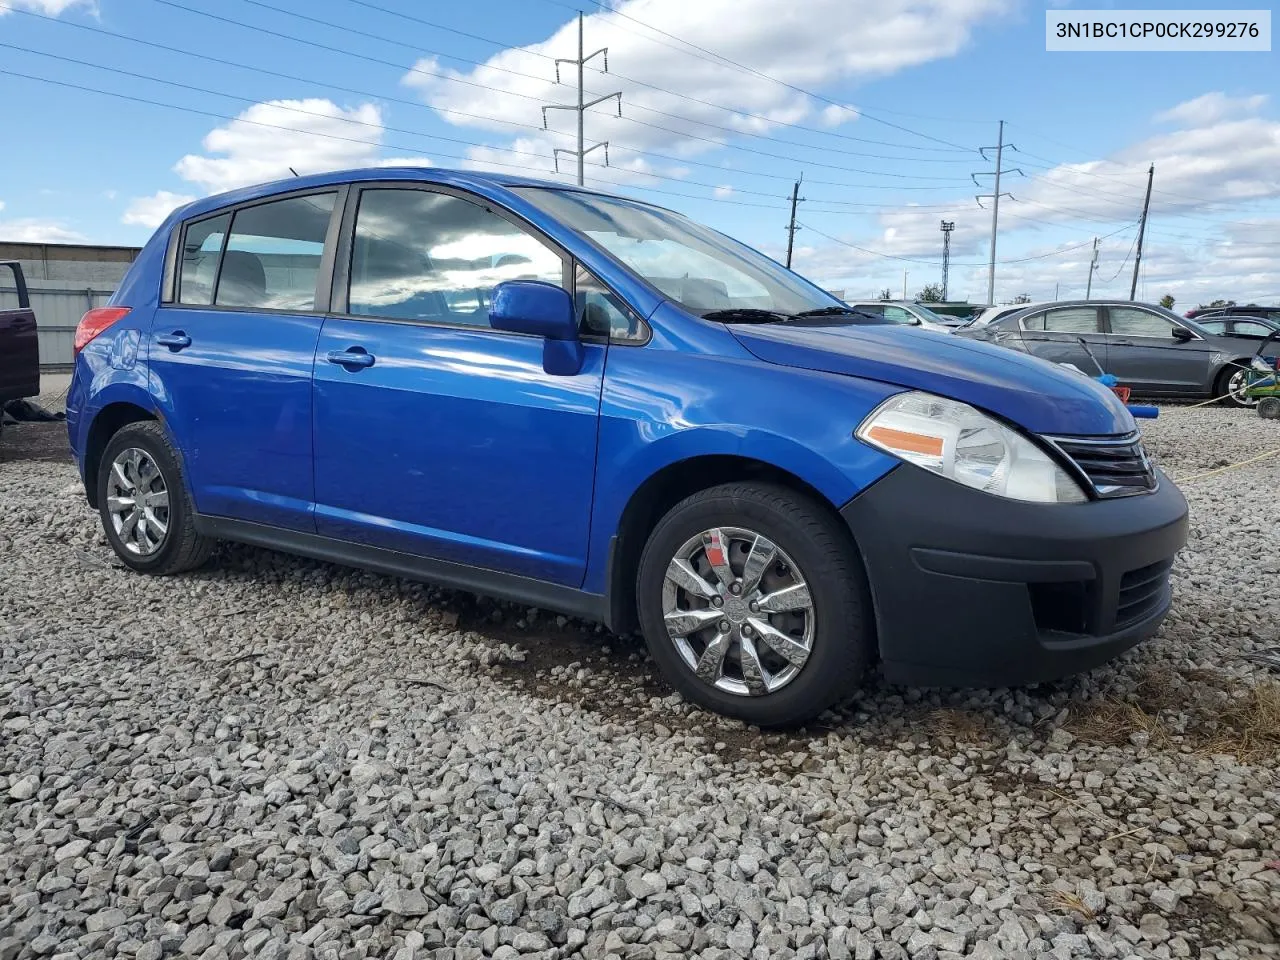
1204 711
43 442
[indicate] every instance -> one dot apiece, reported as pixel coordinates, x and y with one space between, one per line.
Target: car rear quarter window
272 259
435 258
602 313
1132 322
201 250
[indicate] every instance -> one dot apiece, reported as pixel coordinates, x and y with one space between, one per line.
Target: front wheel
754 604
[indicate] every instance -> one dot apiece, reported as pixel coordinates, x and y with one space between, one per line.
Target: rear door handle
174 341
1122 343
351 358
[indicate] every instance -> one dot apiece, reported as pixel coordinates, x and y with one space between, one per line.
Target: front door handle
351 358
174 341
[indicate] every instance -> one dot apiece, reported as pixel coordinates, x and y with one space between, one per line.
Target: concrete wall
64 280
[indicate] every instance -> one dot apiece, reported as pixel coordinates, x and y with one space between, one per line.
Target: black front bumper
976 590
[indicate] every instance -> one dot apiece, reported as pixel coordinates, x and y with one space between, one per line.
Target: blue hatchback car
594 405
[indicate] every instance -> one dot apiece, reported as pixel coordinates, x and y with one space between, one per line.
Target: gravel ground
278 758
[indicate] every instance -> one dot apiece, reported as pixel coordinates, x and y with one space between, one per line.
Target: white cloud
31 230
1199 169
404 162
151 211
834 115
51 8
1212 107
724 190
812 44
265 140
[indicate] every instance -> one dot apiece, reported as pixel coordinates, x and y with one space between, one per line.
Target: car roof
478 180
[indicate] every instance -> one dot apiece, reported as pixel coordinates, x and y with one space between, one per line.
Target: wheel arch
661 491
106 423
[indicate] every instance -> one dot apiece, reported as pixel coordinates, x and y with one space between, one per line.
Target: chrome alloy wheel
1237 385
738 611
138 502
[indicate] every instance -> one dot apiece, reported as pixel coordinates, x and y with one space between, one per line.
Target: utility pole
995 207
1142 228
582 107
904 283
1093 268
947 227
792 228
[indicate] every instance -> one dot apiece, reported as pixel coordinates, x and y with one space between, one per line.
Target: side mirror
1182 334
541 310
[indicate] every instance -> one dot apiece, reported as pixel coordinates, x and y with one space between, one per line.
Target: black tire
1269 408
181 547
1224 386
823 553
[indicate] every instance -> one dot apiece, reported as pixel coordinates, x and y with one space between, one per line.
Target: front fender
660 408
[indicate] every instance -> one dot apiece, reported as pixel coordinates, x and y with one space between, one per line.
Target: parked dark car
1235 310
19 349
1148 348
1250 328
591 404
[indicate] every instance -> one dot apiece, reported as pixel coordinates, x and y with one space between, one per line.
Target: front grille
1141 592
1114 467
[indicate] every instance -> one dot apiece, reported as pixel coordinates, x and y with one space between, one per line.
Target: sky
116 111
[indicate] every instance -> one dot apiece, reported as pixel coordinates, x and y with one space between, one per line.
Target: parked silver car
1148 348
907 312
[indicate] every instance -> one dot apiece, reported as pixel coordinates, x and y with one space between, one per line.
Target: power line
643 83
170 49
418 49
934 263
722 60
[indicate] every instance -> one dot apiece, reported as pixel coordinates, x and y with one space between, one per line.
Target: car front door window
436 258
1133 322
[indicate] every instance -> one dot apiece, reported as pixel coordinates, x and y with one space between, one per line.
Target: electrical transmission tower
995 196
947 227
582 107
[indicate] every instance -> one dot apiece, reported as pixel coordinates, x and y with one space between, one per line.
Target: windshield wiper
747 314
834 312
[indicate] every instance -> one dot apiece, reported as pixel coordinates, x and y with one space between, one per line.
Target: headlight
955 441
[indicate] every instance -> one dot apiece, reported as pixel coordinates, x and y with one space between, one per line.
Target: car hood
1038 396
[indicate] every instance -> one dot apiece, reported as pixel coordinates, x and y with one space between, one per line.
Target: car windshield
929 315
702 270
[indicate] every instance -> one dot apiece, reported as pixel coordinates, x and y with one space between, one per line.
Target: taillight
94 322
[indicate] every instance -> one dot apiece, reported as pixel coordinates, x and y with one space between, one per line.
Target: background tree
886 294
931 293
1167 301
1022 298
1218 303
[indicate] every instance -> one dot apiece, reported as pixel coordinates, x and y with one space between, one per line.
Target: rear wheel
1232 383
754 604
1269 408
143 503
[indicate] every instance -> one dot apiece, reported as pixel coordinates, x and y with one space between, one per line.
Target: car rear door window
272 260
201 250
899 315
1071 320
436 258
1133 322
1250 328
